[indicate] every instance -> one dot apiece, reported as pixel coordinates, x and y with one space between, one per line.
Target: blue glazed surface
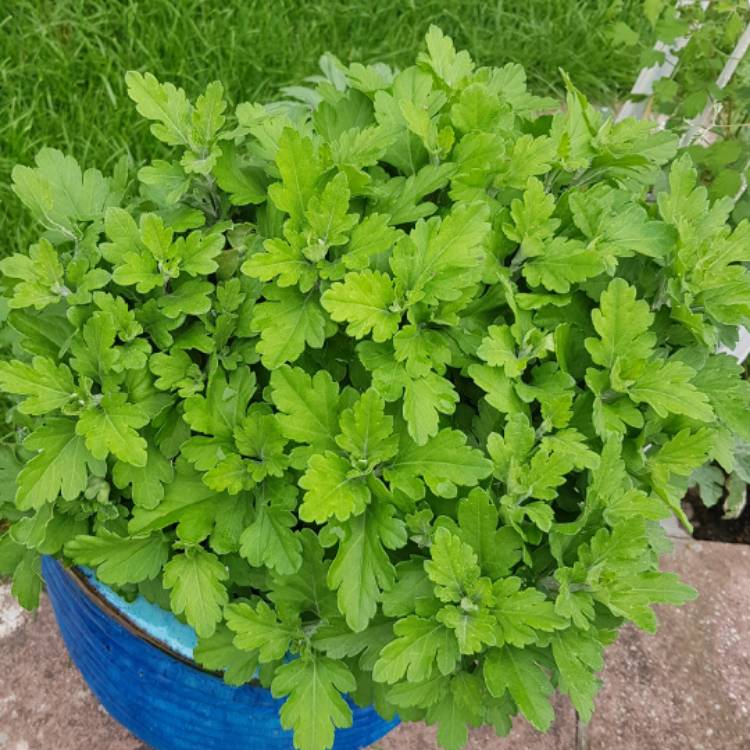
168 704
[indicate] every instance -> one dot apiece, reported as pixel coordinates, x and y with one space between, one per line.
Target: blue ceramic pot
136 658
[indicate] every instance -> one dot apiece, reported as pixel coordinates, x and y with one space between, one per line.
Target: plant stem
582 734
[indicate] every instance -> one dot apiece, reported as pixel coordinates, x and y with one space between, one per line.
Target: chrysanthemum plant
384 389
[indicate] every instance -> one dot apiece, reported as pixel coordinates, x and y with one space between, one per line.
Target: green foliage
377 384
63 47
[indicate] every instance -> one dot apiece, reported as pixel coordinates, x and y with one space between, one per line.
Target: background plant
713 31
719 149
726 487
383 389
715 486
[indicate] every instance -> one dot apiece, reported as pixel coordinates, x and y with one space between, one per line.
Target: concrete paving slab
44 703
687 688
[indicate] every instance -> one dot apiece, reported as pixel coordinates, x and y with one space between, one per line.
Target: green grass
62 61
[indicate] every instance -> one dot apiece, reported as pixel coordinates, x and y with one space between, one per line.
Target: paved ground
687 688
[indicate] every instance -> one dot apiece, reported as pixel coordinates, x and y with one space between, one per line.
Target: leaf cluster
383 389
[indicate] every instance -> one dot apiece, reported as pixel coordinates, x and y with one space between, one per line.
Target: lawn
62 61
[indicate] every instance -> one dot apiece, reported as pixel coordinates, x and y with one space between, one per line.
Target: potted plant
382 390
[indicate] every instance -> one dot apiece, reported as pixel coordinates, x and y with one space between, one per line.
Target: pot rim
132 676
81 580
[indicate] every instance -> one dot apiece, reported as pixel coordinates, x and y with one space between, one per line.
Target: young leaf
425 398
563 262
314 707
60 195
146 482
61 467
420 645
196 579
578 656
532 224
225 403
623 324
283 262
219 654
362 568
452 568
287 322
477 527
176 371
632 596
208 117
459 707
451 66
47 386
334 489
442 463
521 613
306 590
474 627
309 406
258 437
25 565
684 452
187 501
229 474
112 427
366 300
93 353
258 629
327 216
120 560
187 298
500 390
40 275
422 350
367 432
299 171
667 390
441 257
371 238
517 671
269 540
499 349
166 105
244 184
197 253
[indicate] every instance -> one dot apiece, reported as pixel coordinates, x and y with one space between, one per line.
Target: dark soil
708 522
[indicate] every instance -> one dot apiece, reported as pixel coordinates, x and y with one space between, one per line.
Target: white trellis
699 129
644 84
